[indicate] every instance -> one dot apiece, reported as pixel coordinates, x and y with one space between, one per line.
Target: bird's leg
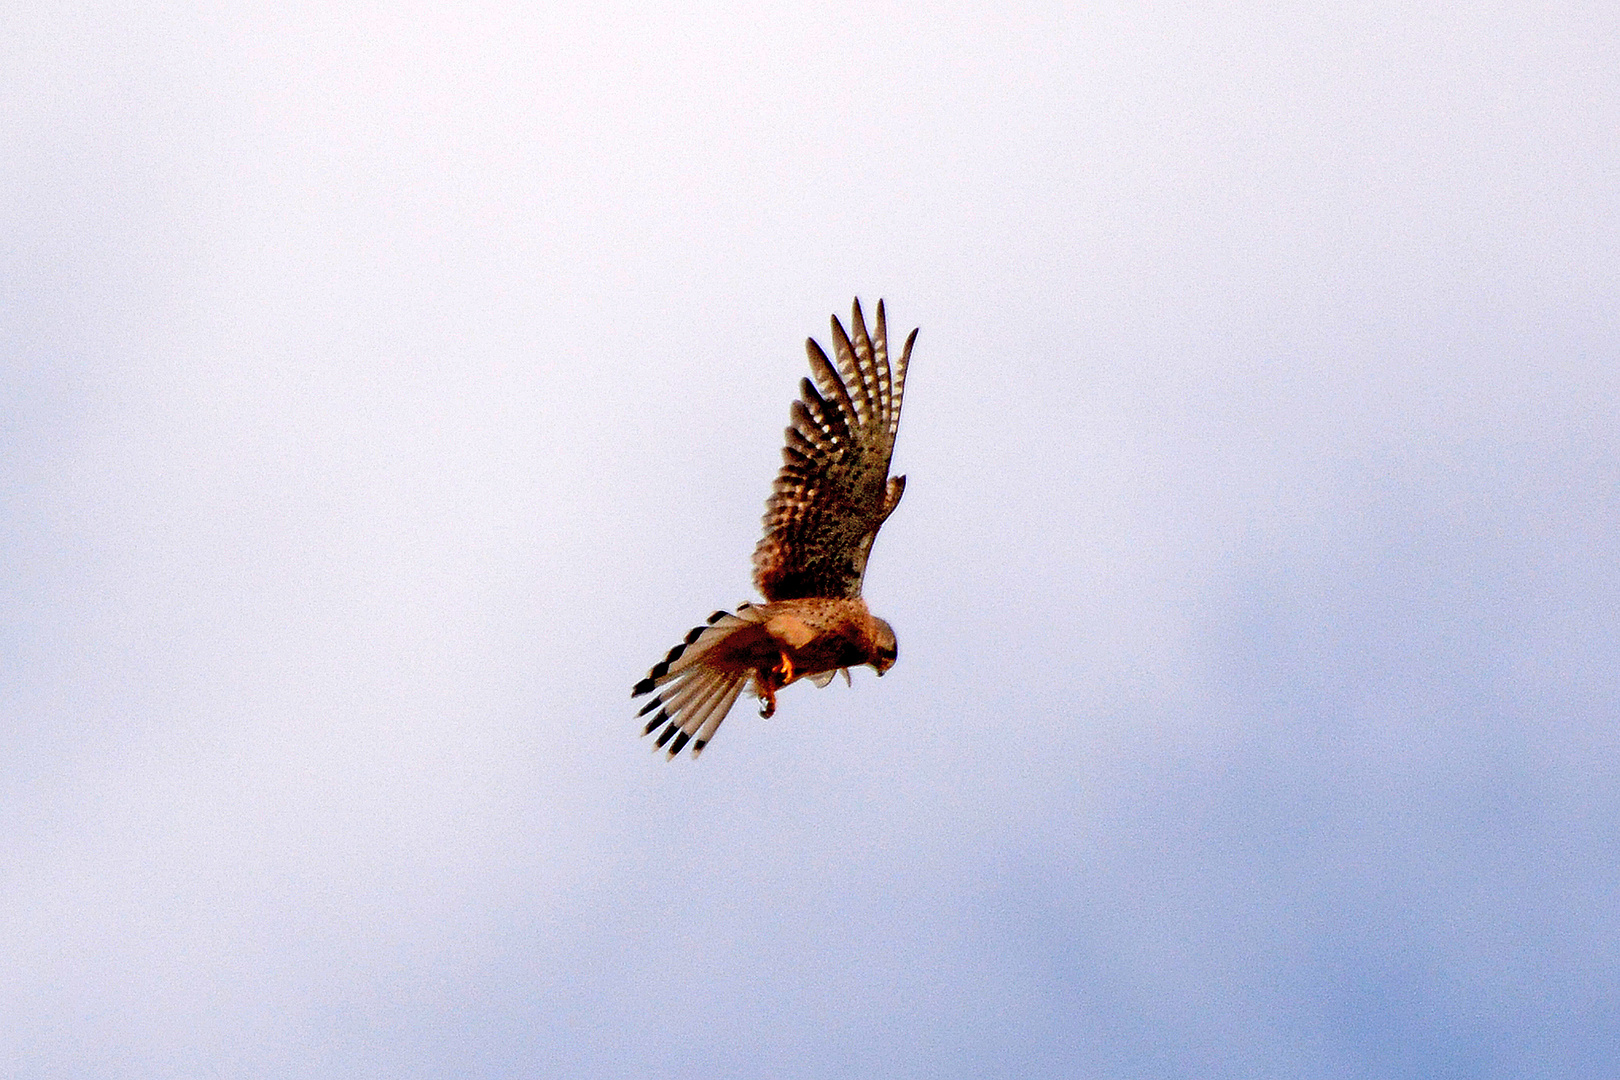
769 682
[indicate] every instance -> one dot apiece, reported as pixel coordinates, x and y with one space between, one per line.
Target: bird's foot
769 682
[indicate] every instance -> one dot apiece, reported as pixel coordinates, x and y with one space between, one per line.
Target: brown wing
834 490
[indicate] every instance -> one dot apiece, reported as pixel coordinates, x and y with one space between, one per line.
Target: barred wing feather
834 491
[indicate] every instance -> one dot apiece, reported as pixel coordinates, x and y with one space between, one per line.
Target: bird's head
884 649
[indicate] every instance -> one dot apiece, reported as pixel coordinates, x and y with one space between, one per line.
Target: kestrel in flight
832 495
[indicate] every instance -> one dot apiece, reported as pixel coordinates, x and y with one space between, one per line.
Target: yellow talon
784 670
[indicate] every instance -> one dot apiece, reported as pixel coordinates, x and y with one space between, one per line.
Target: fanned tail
693 693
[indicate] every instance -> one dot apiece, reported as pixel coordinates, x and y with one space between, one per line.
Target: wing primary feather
880 351
866 368
849 366
829 423
900 382
808 429
827 376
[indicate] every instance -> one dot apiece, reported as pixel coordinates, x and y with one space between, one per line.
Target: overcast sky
384 390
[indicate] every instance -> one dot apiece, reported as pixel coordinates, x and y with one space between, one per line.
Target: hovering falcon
833 494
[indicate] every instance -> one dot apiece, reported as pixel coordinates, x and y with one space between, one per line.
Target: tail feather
694 694
717 688
717 714
699 704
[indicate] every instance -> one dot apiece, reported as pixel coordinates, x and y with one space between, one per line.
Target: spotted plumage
830 497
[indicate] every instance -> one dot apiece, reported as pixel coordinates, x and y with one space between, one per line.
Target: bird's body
830 498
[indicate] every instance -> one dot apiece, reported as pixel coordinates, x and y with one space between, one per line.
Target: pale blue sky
385 390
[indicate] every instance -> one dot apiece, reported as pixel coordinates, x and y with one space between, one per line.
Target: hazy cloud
385 390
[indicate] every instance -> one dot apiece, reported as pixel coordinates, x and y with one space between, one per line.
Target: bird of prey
830 498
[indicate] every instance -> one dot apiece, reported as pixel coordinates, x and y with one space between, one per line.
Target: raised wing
834 490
